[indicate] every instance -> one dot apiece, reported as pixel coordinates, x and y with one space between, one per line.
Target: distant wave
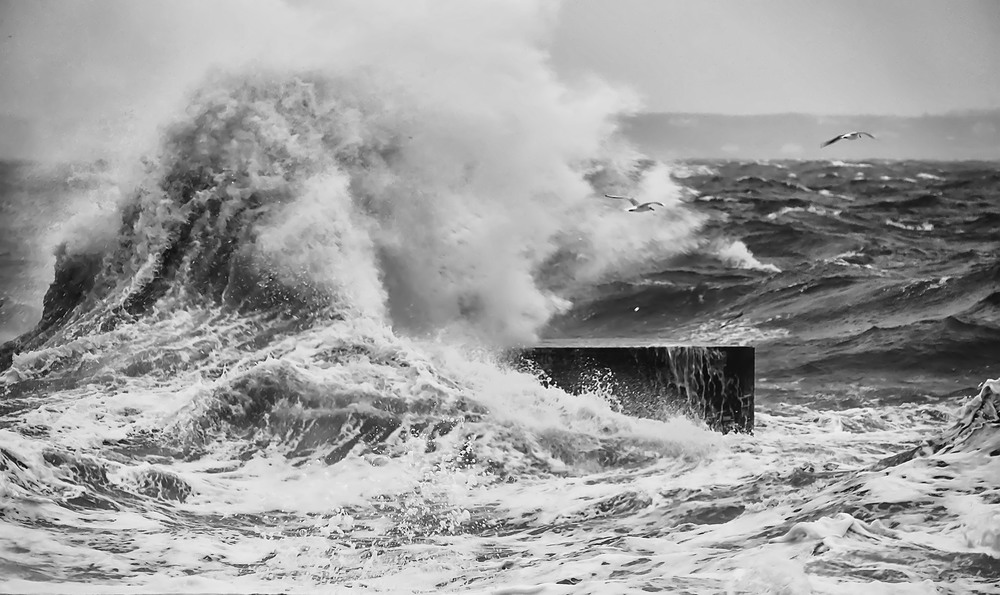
922 226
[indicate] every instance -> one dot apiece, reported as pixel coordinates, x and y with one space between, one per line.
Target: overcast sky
66 62
901 57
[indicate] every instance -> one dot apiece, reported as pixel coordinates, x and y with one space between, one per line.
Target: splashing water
278 369
458 198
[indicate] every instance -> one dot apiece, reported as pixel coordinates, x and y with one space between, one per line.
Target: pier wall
714 384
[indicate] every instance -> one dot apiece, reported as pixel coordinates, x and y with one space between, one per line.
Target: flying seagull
637 207
847 136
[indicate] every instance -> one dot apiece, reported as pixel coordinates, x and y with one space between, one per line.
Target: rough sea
268 357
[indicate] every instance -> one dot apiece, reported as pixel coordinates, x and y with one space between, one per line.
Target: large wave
456 188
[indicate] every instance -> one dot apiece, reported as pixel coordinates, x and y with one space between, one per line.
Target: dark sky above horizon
889 57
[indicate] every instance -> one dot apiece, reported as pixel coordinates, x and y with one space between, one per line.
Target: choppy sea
268 358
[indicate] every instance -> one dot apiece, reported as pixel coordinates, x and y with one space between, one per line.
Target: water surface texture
271 360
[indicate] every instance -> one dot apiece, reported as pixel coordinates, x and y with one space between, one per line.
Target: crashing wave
316 196
976 428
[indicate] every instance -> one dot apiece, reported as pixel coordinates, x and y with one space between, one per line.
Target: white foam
839 163
530 486
816 210
738 255
923 226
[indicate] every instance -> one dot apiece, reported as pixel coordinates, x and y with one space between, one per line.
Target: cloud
791 149
683 122
984 128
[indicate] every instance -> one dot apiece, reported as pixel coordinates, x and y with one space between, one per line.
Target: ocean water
268 355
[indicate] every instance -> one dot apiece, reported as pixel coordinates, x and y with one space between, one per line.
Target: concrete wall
714 384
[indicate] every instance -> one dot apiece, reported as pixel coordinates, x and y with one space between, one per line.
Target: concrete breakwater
714 384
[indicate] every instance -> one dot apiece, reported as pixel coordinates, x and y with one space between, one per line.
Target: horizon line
991 111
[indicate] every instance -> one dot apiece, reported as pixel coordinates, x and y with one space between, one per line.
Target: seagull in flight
847 136
637 207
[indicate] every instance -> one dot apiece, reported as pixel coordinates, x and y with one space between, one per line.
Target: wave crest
316 194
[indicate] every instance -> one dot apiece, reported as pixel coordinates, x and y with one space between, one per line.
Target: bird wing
634 202
832 140
652 203
868 134
615 196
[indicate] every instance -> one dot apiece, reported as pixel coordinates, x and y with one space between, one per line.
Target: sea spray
306 190
251 397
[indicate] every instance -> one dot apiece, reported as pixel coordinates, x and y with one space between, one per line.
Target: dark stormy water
270 360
